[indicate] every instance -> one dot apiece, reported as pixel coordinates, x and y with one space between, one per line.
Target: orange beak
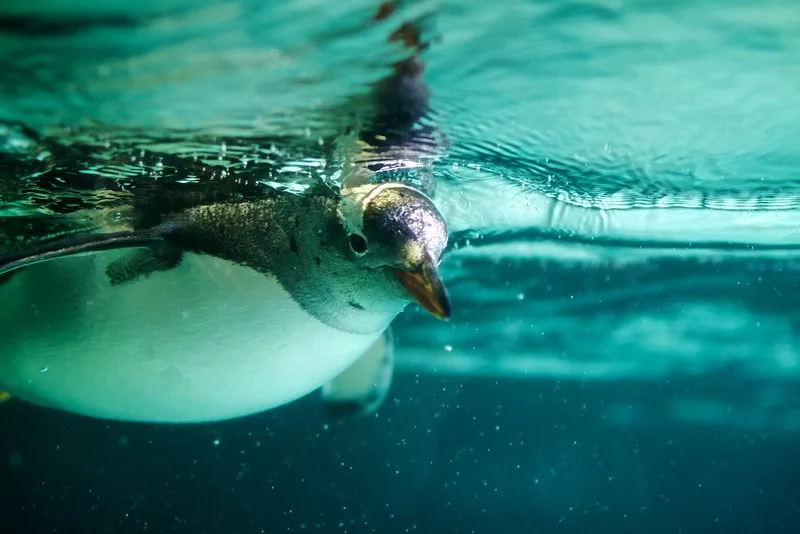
427 288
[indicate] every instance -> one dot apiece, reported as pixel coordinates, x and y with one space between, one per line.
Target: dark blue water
450 455
620 179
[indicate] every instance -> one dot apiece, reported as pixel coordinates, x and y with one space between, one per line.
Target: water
620 182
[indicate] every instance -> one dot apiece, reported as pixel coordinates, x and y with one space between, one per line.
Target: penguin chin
378 290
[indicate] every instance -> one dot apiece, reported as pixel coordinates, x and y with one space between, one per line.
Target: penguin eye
358 244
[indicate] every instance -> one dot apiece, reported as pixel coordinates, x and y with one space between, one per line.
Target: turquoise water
620 180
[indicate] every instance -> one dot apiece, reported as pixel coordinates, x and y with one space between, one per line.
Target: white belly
205 341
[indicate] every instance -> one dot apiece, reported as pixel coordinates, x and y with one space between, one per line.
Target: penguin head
396 228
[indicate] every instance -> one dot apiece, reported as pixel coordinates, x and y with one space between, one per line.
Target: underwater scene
382 266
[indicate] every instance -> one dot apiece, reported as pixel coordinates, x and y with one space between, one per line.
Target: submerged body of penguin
221 311
225 309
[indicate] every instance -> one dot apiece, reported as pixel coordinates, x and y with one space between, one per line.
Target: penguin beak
426 286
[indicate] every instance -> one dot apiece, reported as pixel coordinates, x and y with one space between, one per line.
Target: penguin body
220 312
207 340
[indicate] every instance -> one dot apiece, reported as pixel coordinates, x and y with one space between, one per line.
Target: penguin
222 310
234 307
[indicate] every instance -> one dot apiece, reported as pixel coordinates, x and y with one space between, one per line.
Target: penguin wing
160 253
360 389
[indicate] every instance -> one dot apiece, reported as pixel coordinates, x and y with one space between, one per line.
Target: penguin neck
300 241
322 276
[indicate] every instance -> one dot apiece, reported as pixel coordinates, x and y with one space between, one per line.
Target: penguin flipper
79 245
361 389
142 262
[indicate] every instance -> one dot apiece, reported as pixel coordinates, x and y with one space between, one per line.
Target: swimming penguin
229 308
222 310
